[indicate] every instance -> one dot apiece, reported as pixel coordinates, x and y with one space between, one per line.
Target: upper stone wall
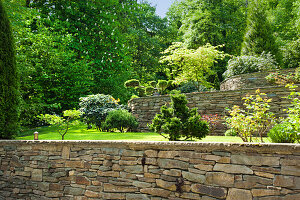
251 80
82 170
207 103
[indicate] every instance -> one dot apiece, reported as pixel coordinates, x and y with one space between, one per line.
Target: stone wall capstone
84 170
144 109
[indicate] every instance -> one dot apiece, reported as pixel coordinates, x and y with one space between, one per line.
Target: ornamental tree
194 64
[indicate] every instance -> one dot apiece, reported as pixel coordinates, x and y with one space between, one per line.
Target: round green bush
249 64
120 119
283 133
132 83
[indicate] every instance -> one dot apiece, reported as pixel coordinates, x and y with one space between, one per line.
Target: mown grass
81 133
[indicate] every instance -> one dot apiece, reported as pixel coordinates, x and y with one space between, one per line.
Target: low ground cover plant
178 122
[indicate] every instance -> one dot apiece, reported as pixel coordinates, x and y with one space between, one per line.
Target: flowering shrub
255 120
213 120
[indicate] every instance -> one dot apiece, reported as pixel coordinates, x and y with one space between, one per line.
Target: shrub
249 64
283 133
120 119
149 90
95 108
230 132
178 122
254 121
162 86
132 83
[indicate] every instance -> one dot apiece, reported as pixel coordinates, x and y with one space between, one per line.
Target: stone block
136 197
172 164
81 180
209 191
172 172
117 196
290 170
255 160
284 181
132 153
107 187
151 153
238 194
264 192
75 191
141 184
133 169
264 174
219 179
204 167
55 187
37 175
74 164
91 194
166 185
234 169
109 174
167 154
197 178
53 194
156 192
65 153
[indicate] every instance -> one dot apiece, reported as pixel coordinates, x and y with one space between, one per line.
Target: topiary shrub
162 86
178 122
149 90
249 64
120 119
132 83
95 108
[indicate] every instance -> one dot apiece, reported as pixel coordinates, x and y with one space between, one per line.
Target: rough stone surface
83 170
238 194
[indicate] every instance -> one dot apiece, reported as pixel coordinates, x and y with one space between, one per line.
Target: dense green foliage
283 133
249 64
95 108
259 35
9 80
121 120
178 122
64 123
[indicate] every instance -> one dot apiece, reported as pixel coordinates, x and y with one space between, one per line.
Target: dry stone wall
208 103
251 80
84 170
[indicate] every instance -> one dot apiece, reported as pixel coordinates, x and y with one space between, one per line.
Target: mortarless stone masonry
83 170
144 109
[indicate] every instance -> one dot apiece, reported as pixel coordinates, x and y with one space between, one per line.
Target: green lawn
81 133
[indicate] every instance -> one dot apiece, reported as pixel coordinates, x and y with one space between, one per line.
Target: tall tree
9 82
259 35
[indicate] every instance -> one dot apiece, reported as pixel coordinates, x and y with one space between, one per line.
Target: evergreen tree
259 35
9 84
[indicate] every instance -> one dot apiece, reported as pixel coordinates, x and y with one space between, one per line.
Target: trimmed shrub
132 83
178 122
120 119
9 81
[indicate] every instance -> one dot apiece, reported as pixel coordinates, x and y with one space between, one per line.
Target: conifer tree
9 82
258 37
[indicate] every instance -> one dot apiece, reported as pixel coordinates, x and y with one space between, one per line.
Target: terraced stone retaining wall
84 170
144 109
251 80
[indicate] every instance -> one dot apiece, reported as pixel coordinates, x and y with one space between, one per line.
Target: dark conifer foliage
259 35
9 82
